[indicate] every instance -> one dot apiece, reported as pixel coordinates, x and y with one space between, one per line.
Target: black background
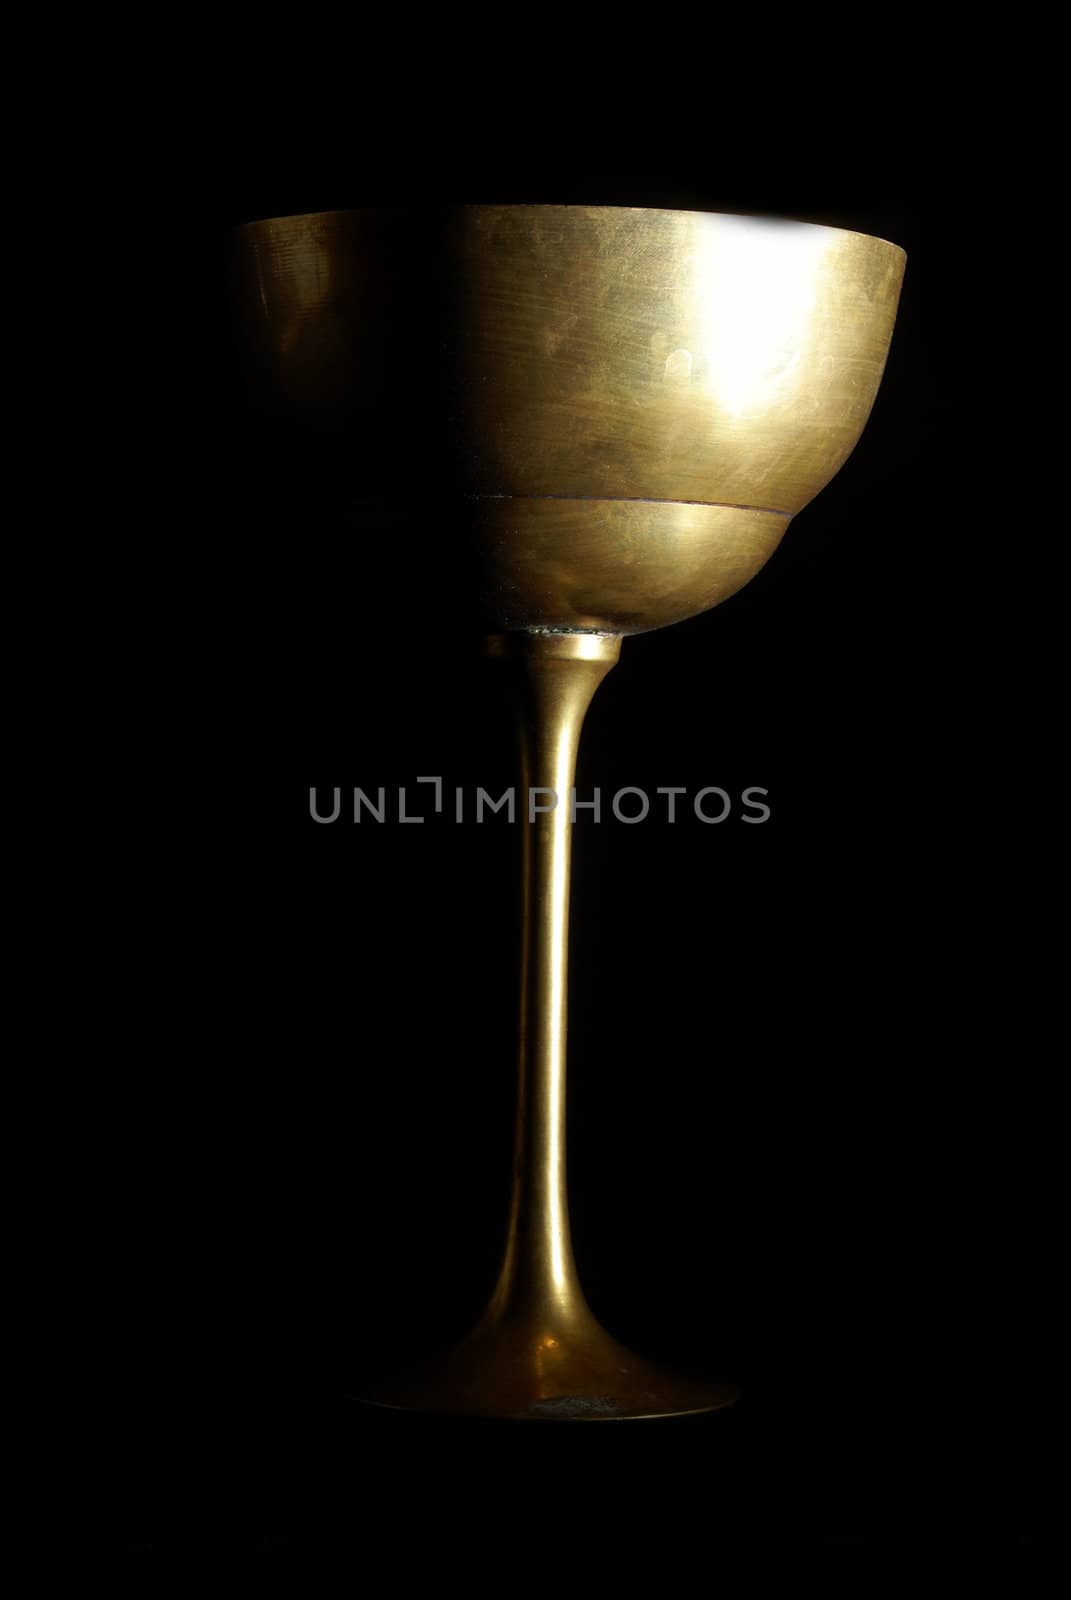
789 1158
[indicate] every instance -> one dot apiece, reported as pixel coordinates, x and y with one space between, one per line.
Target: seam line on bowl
640 500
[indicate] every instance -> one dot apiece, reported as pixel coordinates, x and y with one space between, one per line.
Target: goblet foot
546 1369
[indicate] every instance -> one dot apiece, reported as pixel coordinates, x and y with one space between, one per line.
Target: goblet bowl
609 416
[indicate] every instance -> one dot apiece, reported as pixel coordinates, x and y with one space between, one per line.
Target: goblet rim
491 205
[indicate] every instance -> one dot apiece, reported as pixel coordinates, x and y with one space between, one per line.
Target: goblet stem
555 677
538 1351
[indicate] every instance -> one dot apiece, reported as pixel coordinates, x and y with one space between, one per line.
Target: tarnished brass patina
617 412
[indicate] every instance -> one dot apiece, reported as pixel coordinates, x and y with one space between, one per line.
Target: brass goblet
620 411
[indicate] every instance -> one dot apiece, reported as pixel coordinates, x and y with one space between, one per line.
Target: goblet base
538 1370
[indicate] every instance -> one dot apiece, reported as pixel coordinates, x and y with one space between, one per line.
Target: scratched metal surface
586 351
621 408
